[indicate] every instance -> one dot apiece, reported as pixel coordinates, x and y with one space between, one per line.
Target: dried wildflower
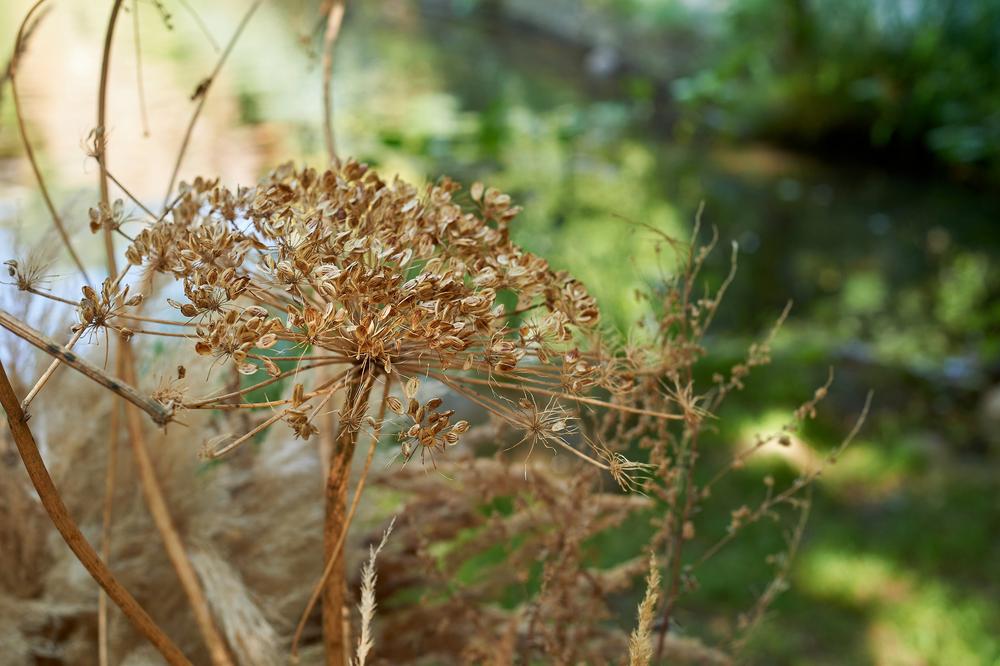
108 217
391 281
101 310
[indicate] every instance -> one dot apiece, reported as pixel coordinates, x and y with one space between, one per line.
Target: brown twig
140 85
150 485
51 500
355 405
100 131
160 414
110 476
28 32
48 373
29 151
201 94
163 521
334 19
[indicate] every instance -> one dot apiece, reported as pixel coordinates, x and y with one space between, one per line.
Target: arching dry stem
150 485
176 552
84 552
29 151
47 375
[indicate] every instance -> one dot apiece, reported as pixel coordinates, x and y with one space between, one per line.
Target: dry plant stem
202 95
334 19
99 132
48 373
57 511
126 363
330 562
335 521
29 151
675 546
140 86
798 485
110 476
201 24
160 512
156 411
121 366
562 394
29 30
689 442
211 403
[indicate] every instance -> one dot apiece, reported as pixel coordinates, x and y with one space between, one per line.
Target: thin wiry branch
201 94
334 19
28 150
160 414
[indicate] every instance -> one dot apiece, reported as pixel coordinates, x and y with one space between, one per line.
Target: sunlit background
850 148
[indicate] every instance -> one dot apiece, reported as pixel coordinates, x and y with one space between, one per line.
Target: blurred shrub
916 77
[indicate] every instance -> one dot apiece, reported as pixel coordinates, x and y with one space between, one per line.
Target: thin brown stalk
335 640
140 85
51 297
213 455
29 151
334 19
202 95
339 545
802 482
160 414
567 396
128 193
100 131
121 366
48 373
172 542
201 24
110 477
267 382
85 553
505 414
155 501
29 31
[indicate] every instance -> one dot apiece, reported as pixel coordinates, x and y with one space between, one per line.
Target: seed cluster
345 267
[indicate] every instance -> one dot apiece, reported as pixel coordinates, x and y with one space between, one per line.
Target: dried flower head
350 269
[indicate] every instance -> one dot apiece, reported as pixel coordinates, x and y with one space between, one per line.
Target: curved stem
47 375
110 478
85 553
100 140
151 490
29 151
164 523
